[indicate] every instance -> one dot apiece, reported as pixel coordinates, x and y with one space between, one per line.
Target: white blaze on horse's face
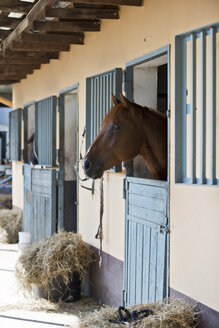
117 141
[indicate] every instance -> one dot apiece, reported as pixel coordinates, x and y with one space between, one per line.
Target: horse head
119 139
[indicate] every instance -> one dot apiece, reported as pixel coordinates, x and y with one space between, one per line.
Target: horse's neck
154 144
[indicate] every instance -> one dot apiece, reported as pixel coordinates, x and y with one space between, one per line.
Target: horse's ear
125 100
115 100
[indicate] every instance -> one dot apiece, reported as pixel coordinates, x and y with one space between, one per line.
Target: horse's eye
116 127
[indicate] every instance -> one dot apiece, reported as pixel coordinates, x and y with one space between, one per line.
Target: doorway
69 143
150 89
147 199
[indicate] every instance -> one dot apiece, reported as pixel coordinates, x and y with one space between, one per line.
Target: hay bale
10 225
171 313
61 255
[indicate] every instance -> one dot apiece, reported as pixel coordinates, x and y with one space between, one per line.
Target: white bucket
24 240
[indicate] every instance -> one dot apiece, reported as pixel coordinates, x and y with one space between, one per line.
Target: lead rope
99 234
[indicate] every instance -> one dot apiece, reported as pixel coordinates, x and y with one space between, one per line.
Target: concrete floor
14 313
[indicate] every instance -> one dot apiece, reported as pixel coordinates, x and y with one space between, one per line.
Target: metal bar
213 106
95 109
183 137
193 110
203 107
101 99
98 106
107 95
104 95
91 109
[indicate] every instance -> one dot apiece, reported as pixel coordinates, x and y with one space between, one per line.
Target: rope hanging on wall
99 234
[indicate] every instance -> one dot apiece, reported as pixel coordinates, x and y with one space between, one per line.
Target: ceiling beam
35 13
8 71
39 46
10 22
112 2
4 34
67 26
21 61
12 76
5 101
53 38
82 13
2 82
30 54
19 67
15 6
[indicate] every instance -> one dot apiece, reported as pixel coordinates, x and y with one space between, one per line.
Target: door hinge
124 188
164 229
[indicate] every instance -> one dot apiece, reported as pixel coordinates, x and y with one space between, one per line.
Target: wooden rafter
67 26
111 2
37 31
16 6
83 13
53 38
18 68
10 22
39 46
6 101
35 13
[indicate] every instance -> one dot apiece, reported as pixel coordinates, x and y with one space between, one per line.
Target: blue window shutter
15 135
98 102
45 131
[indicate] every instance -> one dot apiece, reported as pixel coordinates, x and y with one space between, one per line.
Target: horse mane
156 113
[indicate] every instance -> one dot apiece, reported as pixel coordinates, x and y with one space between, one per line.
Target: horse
32 156
129 130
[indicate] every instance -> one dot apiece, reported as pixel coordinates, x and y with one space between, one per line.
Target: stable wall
194 266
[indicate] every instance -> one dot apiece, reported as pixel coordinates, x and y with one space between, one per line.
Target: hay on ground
63 254
172 313
10 225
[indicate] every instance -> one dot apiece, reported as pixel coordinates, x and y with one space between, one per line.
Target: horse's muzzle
91 170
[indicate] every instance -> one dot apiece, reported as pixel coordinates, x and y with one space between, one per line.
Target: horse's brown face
118 140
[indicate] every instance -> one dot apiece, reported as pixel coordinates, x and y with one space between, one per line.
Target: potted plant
56 266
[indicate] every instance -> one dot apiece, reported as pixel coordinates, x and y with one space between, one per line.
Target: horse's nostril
87 165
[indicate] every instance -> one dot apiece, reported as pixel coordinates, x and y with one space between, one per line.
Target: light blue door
146 241
39 215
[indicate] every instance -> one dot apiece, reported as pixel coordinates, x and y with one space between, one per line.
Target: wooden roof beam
6 71
67 26
19 67
22 61
12 76
53 38
4 34
82 13
10 22
30 54
112 2
16 6
39 46
2 82
37 11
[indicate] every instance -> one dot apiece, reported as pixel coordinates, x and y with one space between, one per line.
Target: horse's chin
96 175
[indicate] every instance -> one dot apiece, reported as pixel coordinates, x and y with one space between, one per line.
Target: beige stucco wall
194 265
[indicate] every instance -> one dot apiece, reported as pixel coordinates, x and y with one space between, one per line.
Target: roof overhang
33 32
